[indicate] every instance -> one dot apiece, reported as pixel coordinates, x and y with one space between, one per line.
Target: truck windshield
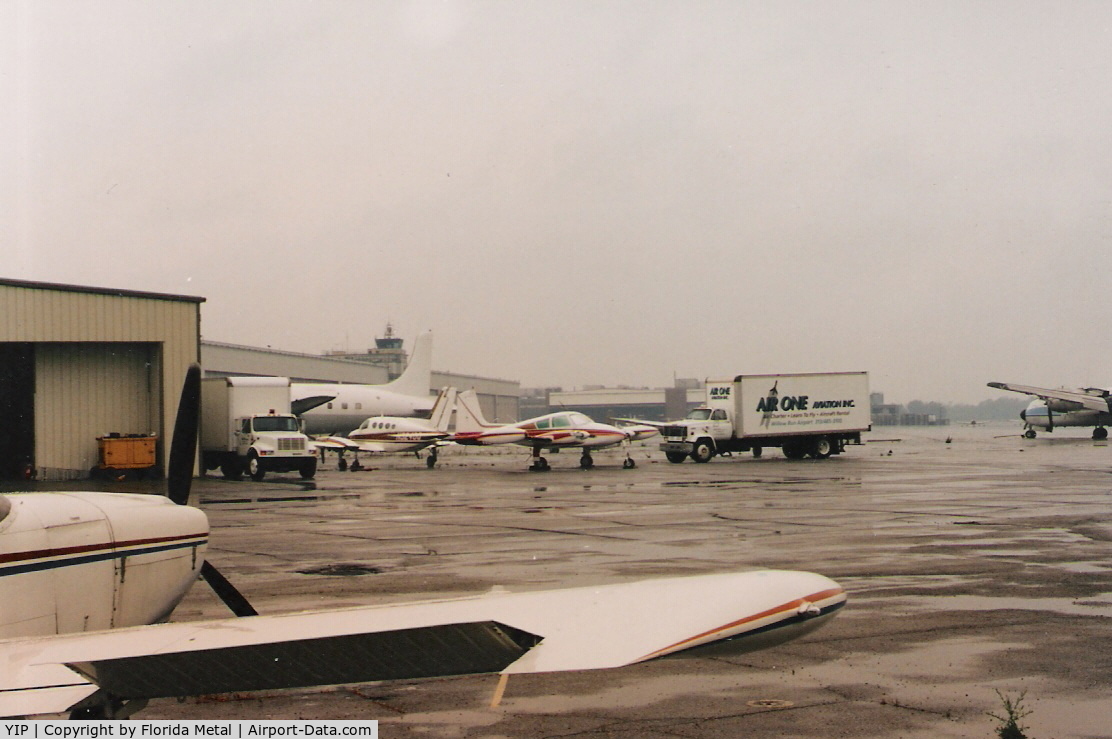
699 414
276 423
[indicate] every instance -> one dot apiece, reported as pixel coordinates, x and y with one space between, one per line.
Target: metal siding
84 394
86 390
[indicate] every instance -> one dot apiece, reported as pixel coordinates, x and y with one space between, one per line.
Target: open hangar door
84 390
17 409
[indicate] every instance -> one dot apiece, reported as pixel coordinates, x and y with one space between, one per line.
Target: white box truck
246 426
814 414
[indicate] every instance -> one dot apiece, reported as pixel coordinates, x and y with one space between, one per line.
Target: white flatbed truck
813 414
247 427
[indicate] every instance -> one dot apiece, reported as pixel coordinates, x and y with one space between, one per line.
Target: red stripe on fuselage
86 548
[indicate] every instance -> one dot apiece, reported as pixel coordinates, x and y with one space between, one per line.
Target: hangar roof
98 290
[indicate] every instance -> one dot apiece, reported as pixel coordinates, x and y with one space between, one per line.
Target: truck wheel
794 450
702 451
309 469
821 448
254 468
676 457
232 470
757 452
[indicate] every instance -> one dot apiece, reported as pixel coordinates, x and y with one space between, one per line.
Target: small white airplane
392 434
328 408
1089 406
84 577
556 431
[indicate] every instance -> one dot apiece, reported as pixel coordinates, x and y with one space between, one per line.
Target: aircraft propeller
179 480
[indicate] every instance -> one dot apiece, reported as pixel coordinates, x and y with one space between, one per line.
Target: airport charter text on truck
814 414
246 426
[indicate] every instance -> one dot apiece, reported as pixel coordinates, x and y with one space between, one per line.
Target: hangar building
78 363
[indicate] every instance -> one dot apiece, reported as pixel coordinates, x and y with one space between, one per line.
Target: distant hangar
78 363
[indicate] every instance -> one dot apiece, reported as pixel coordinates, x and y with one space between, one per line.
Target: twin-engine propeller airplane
1089 406
393 434
85 576
555 431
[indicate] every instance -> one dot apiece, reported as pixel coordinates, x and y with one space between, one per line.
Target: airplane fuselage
352 404
1053 414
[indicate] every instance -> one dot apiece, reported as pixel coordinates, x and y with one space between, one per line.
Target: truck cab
273 442
698 435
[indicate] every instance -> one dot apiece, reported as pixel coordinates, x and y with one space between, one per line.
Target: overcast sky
592 192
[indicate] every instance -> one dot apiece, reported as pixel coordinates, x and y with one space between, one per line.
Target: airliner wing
639 422
1085 400
301 405
544 631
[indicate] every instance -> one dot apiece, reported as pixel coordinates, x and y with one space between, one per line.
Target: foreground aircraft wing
1091 401
544 631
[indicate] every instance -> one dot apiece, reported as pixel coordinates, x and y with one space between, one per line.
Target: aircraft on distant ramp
393 434
1089 406
555 431
85 576
329 408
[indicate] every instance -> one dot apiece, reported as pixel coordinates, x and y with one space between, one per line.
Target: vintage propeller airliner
1091 406
555 431
86 577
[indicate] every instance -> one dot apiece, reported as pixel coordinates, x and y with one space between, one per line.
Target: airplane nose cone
1023 414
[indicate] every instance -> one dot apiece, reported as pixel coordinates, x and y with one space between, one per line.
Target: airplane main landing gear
1100 433
628 464
430 462
540 464
586 462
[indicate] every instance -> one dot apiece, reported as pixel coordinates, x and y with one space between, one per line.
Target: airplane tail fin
417 377
442 409
469 416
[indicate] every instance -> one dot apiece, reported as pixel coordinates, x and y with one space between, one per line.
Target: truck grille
291 444
674 431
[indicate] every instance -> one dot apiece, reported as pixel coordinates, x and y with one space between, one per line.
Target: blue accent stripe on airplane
53 564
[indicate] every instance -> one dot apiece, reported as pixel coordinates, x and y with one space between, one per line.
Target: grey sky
584 192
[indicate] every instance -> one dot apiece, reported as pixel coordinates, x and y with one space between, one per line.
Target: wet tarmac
977 568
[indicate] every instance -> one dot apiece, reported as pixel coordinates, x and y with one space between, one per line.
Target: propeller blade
226 591
183 447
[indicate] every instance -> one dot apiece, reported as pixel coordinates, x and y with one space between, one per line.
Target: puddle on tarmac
1096 605
342 570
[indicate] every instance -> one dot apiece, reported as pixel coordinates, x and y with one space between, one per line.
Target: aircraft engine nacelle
82 562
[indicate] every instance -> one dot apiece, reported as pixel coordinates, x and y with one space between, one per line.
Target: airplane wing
543 631
640 422
1084 399
334 443
301 405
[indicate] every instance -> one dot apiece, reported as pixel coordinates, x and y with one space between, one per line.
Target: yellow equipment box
126 452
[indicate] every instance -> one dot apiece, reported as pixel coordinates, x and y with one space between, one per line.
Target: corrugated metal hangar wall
77 363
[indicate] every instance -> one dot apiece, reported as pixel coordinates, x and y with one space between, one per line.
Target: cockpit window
699 414
561 422
579 419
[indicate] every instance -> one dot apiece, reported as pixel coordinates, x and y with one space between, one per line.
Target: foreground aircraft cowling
1089 406
556 431
83 576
